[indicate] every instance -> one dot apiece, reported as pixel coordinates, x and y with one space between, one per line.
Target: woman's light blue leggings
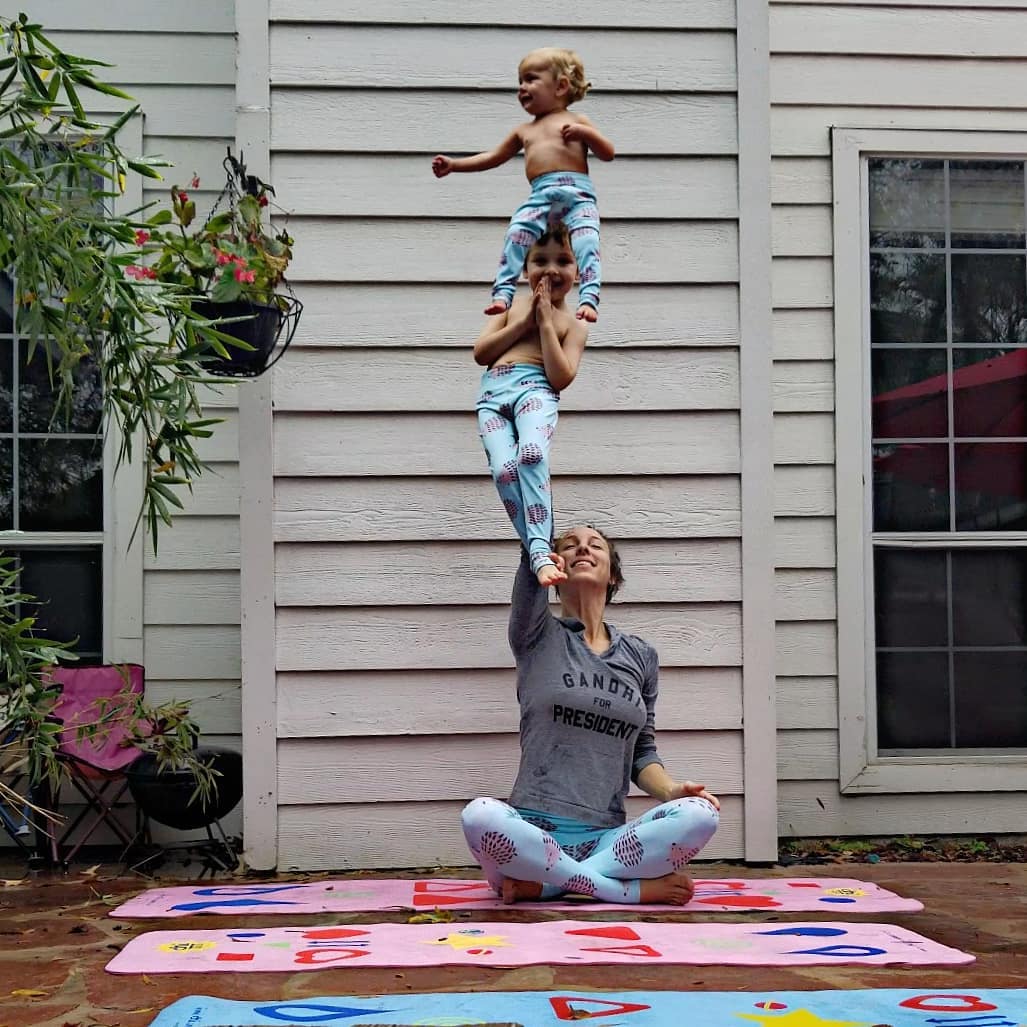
517 414
566 856
566 196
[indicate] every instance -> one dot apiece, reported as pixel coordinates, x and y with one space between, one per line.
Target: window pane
987 203
907 202
911 487
990 392
989 298
69 582
6 303
991 700
913 701
910 388
6 385
989 597
61 485
991 486
6 485
907 297
911 593
36 396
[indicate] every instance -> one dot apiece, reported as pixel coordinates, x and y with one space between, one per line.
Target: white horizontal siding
413 120
660 14
394 379
455 509
427 57
390 315
334 704
343 836
195 16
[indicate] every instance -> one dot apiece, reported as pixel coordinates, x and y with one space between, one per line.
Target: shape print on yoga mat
513 944
800 894
885 1008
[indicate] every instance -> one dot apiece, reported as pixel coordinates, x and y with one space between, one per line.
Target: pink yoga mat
793 894
505 944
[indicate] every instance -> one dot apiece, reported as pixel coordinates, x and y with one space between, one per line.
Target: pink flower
194 182
183 197
222 257
243 276
142 236
262 199
138 272
240 261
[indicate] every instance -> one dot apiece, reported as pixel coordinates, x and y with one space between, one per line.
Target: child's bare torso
544 148
528 349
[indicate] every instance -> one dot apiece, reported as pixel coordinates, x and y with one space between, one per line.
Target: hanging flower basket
266 330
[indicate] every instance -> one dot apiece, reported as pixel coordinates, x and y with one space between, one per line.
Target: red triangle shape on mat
741 901
619 933
565 1011
443 887
432 893
628 950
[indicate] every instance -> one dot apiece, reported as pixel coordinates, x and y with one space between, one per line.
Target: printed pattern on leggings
657 843
517 414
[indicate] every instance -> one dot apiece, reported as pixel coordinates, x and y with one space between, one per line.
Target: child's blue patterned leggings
567 856
566 196
517 413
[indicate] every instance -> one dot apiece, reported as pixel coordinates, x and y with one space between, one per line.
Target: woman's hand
690 788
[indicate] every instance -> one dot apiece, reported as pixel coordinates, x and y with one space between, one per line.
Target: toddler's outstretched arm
442 165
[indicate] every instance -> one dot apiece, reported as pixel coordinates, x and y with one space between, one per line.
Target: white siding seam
257 631
757 462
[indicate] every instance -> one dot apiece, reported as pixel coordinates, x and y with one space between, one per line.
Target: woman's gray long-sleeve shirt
586 718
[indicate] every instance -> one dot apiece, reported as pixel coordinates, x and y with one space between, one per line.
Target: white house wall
395 690
178 61
953 65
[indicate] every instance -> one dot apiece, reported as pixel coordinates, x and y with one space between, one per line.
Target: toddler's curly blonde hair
563 62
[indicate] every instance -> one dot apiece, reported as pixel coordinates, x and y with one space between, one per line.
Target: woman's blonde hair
566 63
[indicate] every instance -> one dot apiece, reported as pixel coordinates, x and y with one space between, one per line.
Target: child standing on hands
532 351
556 146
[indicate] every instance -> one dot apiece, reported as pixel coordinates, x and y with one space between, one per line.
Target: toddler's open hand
441 165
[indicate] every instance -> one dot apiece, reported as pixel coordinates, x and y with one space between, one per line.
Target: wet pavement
56 936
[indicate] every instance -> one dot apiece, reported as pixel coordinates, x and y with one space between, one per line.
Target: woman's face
587 558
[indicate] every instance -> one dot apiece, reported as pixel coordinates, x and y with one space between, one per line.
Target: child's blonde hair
566 63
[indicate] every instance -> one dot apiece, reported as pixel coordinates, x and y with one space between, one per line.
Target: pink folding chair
103 696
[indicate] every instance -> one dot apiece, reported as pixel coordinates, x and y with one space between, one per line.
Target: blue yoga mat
877 1008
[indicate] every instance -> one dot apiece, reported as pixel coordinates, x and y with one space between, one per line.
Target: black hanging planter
262 329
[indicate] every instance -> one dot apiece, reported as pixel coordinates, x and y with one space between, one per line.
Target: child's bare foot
548 575
497 306
671 889
584 313
520 891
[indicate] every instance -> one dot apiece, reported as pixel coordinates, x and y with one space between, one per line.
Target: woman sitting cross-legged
587 695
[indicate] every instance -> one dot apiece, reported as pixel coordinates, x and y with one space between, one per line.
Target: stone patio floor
56 937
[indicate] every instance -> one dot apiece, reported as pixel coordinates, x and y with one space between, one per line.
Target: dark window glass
6 386
911 487
37 396
907 202
912 598
991 486
910 389
989 298
6 304
6 485
907 297
60 485
987 203
991 700
989 393
68 582
989 597
913 701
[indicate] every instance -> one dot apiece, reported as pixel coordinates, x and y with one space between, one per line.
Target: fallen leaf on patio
148 1009
147 980
436 916
11 884
29 993
92 871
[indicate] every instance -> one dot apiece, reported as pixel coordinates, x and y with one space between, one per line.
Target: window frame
860 769
122 564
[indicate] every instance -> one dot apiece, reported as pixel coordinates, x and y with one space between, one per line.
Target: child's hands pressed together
542 302
441 165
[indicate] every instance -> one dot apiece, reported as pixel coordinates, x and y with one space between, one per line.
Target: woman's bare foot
672 889
496 307
548 574
520 891
584 313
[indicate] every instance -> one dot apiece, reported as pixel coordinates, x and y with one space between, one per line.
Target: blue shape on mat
973 1007
808 932
199 907
836 898
842 951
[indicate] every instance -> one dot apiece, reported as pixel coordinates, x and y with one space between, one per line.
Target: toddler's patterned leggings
607 865
566 196
517 413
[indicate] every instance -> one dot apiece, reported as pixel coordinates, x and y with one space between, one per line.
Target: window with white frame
947 308
930 325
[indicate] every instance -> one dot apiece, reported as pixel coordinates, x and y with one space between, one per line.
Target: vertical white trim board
757 423
256 514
